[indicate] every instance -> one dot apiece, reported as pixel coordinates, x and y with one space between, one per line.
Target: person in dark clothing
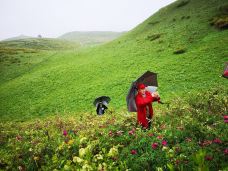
101 108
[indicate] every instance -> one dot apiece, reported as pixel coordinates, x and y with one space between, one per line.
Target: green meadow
48 86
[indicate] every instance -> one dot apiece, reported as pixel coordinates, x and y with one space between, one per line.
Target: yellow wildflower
82 152
83 140
70 142
113 152
36 158
164 148
66 167
86 167
77 159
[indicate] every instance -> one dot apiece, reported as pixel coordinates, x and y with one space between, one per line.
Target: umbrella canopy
149 79
102 99
131 106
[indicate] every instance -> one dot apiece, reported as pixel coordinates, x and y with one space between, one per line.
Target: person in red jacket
143 102
225 74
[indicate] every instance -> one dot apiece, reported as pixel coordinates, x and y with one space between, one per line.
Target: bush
179 51
160 41
220 22
185 17
153 37
154 22
214 101
183 3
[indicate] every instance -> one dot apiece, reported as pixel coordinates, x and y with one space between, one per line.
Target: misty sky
52 18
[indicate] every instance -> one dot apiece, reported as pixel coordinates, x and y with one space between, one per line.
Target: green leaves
199 159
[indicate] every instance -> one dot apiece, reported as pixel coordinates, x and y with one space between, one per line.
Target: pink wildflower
205 143
150 134
119 132
159 137
217 141
188 139
131 132
177 162
110 133
133 152
163 126
18 138
226 151
154 145
164 143
64 132
208 157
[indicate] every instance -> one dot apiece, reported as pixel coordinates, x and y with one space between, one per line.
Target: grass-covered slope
18 57
178 43
91 37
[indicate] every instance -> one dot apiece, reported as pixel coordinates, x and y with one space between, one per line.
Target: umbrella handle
162 102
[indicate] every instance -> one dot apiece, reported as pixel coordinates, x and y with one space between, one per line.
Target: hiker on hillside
143 102
225 74
101 104
101 108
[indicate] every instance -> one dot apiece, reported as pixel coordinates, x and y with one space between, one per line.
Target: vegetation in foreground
188 134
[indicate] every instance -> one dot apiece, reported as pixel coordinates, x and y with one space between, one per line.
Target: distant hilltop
91 37
84 38
18 37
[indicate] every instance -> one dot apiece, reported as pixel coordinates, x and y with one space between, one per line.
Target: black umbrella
131 106
149 79
102 99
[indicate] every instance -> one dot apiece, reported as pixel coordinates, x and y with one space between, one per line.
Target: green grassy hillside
47 88
18 57
91 37
178 42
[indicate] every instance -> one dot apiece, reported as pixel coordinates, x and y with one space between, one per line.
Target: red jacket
142 103
225 73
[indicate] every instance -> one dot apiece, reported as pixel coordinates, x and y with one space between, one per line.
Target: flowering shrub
182 136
